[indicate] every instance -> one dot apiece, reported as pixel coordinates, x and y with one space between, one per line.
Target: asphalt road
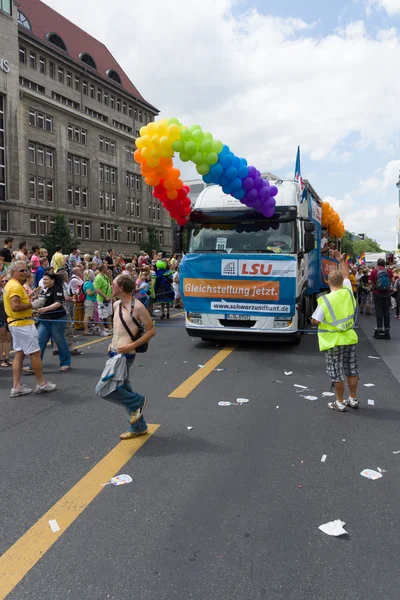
229 510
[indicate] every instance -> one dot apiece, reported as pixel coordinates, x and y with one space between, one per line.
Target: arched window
22 20
88 60
55 39
114 76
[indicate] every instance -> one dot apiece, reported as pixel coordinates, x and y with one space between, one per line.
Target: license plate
237 317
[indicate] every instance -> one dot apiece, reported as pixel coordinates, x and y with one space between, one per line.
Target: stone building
69 116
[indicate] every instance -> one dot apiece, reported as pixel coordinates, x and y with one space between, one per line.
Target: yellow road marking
103 339
194 380
178 314
29 549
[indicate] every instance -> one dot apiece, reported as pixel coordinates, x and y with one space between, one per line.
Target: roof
44 20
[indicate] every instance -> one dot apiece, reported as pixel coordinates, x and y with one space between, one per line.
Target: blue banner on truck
242 284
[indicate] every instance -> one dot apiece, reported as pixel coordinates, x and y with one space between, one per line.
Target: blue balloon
231 173
225 150
226 189
243 172
236 184
236 162
216 171
223 181
243 162
208 178
225 160
239 194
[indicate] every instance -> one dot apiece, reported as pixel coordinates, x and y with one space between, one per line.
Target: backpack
382 281
80 295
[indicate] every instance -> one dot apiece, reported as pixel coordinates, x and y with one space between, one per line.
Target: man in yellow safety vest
336 336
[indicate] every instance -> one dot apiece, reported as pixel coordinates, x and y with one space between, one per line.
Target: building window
127 205
32 187
39 120
112 101
32 85
91 90
84 167
77 84
101 201
32 117
134 235
3 220
101 140
33 227
129 152
84 87
137 182
108 229
87 230
69 163
31 153
88 60
50 190
129 110
32 60
122 126
40 155
71 225
96 115
22 55
2 157
154 212
70 132
115 236
70 195
105 98
52 70
83 136
107 174
132 181
40 184
128 234
101 170
137 207
55 39
114 76
102 231
43 225
158 213
42 65
77 134
99 95
22 20
60 74
69 79
113 176
84 197
124 108
77 165
118 105
50 157
140 116
135 113
112 147
77 195
79 229
107 145
113 203
107 204
140 236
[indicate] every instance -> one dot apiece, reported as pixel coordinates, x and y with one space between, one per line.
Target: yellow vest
337 329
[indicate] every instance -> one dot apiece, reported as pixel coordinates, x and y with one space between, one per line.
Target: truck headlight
194 318
282 322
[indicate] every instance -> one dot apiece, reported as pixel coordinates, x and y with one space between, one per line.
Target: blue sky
265 76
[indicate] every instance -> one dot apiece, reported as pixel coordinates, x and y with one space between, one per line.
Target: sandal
4 363
64 369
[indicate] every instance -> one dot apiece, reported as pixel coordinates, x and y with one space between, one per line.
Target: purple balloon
269 213
258 173
264 193
252 195
258 183
266 183
248 184
252 172
258 204
273 190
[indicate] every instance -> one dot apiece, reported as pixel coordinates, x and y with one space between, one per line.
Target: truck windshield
271 237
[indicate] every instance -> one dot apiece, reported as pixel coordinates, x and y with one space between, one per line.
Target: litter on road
381 470
375 357
277 381
201 366
310 397
223 403
54 526
334 528
323 459
219 370
369 385
326 394
118 480
397 452
190 428
242 400
371 402
302 387
288 372
371 474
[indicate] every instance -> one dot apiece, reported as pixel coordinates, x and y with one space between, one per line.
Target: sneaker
47 387
137 414
129 435
352 402
104 334
28 371
21 391
337 406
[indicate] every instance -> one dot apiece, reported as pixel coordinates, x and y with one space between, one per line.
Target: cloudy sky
265 76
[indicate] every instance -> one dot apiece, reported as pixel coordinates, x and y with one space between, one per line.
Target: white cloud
392 7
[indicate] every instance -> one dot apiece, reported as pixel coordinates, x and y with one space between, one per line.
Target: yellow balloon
152 128
143 130
139 143
162 127
146 152
156 152
153 161
146 140
174 132
155 140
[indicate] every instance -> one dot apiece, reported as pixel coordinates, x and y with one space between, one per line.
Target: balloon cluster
156 147
332 221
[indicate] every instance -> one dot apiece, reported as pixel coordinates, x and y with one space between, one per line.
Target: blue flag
298 177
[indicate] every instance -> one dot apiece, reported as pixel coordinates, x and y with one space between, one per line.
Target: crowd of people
47 298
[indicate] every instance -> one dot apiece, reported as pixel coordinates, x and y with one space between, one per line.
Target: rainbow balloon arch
214 161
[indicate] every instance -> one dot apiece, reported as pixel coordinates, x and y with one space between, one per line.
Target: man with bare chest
124 309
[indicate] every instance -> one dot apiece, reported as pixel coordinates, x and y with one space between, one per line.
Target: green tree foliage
59 235
151 243
357 247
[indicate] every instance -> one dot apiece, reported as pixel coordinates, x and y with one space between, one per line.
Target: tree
59 235
366 245
152 242
347 244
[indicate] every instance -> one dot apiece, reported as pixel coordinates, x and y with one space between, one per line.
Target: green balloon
178 145
190 147
212 158
198 136
184 156
174 121
208 136
206 146
186 135
217 146
203 169
198 158
194 127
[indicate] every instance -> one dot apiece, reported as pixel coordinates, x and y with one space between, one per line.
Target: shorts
25 339
365 297
105 310
341 361
89 309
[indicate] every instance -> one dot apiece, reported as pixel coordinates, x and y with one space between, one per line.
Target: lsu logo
229 267
255 269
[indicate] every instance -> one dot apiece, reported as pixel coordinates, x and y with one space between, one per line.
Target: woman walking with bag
52 319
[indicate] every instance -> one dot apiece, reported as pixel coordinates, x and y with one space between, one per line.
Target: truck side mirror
309 227
309 242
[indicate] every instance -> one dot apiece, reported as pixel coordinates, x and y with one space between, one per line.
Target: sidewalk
389 351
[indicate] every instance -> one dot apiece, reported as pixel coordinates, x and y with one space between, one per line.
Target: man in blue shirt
44 262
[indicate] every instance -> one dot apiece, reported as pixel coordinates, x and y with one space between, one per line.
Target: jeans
131 400
382 309
56 331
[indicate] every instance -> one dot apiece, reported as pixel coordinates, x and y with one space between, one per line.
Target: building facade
69 117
